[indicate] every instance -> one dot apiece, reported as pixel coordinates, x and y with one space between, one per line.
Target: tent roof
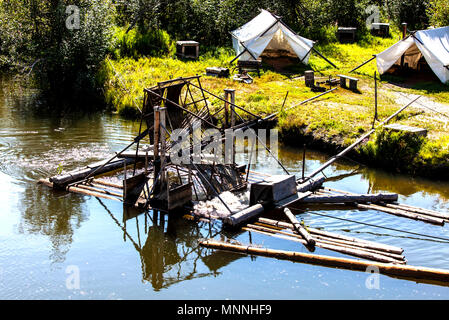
251 39
433 44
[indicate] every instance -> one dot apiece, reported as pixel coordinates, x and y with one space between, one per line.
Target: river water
56 245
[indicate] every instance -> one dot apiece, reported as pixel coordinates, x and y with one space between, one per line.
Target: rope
376 226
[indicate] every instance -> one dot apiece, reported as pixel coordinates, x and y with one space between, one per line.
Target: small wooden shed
188 49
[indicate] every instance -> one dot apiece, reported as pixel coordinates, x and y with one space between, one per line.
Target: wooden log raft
336 237
401 271
353 251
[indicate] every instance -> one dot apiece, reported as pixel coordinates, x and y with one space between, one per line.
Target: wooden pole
156 157
375 99
299 228
303 161
402 271
361 65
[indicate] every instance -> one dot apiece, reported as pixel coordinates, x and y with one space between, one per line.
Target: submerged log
299 228
402 271
364 198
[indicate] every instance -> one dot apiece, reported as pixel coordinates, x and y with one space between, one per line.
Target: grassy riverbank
331 122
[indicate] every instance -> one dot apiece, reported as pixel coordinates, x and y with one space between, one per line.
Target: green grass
337 118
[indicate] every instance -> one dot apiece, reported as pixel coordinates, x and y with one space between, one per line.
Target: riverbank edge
297 137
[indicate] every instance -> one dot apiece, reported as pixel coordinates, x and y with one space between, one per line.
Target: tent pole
374 56
237 56
327 60
248 51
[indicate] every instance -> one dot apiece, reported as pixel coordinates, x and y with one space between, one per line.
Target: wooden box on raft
273 189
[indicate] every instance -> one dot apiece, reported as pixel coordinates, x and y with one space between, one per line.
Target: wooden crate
346 34
272 189
380 29
188 49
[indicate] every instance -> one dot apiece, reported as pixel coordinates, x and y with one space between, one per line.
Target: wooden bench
352 82
250 65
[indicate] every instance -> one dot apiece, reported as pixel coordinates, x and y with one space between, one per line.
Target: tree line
63 42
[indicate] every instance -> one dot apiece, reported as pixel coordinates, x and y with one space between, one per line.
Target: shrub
134 43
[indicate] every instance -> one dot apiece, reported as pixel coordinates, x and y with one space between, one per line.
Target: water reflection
171 253
56 215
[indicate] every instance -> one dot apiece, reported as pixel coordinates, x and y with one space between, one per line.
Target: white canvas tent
432 44
268 31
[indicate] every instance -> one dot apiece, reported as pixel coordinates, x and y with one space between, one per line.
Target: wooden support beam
299 228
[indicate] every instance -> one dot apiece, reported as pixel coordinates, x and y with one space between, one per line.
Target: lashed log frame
316 232
356 252
401 271
299 228
332 241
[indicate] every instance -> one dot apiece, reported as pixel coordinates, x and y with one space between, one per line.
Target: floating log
364 198
107 183
83 186
63 180
317 232
91 193
244 215
342 243
402 271
402 213
431 213
299 228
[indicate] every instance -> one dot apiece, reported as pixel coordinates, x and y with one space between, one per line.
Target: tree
62 42
438 12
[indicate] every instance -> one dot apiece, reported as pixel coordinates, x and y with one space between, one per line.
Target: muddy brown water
56 245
